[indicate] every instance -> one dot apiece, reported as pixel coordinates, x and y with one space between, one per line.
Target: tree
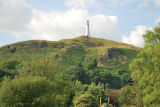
9 67
126 96
79 88
98 91
113 96
86 100
125 77
146 70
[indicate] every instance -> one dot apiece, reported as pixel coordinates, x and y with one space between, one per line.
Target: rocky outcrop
12 49
43 44
108 54
56 56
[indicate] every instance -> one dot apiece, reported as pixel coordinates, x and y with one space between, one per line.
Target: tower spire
87 29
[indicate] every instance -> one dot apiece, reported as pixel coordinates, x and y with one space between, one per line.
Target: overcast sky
119 20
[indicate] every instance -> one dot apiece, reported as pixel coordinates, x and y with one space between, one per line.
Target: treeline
47 82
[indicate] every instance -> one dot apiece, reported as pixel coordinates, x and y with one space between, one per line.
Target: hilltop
94 43
32 46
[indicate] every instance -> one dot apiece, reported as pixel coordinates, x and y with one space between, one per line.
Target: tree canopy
34 92
86 100
146 70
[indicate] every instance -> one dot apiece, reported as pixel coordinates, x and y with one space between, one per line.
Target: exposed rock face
12 49
43 44
108 54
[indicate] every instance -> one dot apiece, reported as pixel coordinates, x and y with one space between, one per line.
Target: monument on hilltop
87 29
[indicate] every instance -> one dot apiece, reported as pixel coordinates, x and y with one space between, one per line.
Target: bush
127 96
8 68
86 100
27 92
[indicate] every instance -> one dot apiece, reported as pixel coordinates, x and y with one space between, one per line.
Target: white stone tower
87 29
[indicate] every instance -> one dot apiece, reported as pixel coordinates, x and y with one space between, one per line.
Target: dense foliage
146 74
86 100
34 92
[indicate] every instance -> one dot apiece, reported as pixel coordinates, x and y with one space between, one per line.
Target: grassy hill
92 55
45 47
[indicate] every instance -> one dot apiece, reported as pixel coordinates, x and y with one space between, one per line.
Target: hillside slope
92 55
41 46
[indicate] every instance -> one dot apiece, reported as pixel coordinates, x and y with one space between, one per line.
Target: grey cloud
14 16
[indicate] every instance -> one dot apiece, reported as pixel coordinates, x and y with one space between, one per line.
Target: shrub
86 100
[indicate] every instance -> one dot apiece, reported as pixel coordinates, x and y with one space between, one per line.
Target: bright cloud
81 3
105 27
157 3
18 18
136 36
72 23
14 16
57 25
